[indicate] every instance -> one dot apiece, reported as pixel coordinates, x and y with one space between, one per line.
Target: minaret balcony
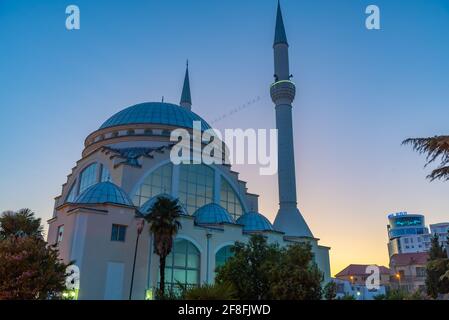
283 92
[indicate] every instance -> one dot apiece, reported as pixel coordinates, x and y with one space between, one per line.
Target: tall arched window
196 186
88 177
159 181
72 193
182 265
223 255
230 200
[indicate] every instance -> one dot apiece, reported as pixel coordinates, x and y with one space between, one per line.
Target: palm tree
20 223
164 224
435 147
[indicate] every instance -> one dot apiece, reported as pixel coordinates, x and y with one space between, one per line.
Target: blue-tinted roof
156 113
104 192
212 213
146 207
254 221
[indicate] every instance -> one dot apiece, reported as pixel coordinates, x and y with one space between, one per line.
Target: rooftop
156 113
359 270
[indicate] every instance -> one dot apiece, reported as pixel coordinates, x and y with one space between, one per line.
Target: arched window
105 174
223 255
72 193
182 265
88 177
159 181
196 186
230 200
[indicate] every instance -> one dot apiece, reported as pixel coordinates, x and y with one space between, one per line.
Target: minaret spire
283 91
279 35
186 100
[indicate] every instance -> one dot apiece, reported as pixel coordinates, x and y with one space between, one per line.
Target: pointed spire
186 100
279 36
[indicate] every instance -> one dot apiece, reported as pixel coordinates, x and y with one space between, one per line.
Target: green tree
22 222
164 225
249 270
216 291
330 290
436 251
396 294
436 268
29 268
295 276
259 270
435 148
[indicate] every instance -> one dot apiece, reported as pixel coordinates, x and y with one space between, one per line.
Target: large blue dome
156 113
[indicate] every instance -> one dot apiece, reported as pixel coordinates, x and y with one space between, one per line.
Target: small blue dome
146 207
104 192
212 213
254 221
156 113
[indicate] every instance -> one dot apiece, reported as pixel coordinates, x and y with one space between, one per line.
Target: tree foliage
436 268
29 268
20 223
295 277
216 291
259 270
330 290
398 294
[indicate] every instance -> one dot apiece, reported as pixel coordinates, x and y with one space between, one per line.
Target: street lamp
140 225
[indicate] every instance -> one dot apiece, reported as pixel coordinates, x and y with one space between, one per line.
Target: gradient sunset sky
360 93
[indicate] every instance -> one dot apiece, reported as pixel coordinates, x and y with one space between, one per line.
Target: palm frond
441 173
434 148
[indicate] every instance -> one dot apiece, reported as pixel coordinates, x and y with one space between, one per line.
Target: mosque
126 165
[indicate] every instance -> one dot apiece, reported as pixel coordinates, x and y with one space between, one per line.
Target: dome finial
186 100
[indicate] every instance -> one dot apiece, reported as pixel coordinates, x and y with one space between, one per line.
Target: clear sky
360 93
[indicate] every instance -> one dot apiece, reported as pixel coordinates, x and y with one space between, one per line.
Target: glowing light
149 294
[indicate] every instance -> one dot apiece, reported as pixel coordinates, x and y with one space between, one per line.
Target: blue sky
360 93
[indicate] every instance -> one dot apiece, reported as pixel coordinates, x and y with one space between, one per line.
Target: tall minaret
186 100
288 218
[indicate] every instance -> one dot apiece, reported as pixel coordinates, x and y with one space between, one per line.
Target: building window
196 186
72 193
88 177
182 265
105 174
223 255
148 132
60 234
229 200
131 132
420 271
118 233
159 181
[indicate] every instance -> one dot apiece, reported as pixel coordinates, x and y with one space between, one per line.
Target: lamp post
140 225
